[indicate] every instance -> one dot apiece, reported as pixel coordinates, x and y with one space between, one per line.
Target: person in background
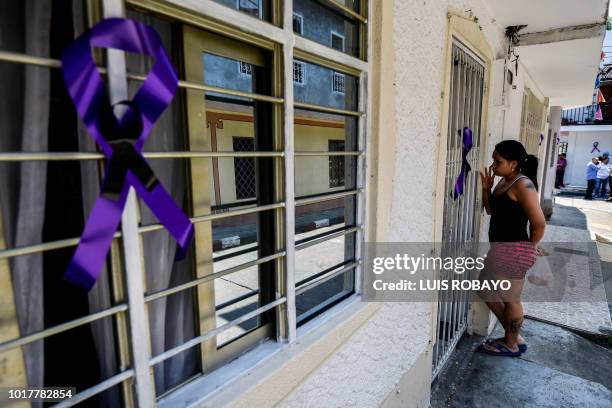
603 174
591 176
561 165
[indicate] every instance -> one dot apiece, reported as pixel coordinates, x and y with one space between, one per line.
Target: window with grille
337 41
336 164
245 69
338 83
252 7
244 168
299 73
298 23
184 319
532 121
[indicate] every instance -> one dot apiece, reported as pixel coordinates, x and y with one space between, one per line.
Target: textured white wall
367 368
421 37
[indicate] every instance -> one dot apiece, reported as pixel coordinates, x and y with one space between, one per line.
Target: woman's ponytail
529 167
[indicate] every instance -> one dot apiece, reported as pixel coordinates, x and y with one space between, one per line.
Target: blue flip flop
522 347
503 351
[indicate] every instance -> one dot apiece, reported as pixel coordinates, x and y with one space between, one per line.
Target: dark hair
513 150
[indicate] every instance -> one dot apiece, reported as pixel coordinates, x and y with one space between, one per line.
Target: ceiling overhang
560 46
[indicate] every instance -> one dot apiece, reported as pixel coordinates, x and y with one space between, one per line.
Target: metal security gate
461 215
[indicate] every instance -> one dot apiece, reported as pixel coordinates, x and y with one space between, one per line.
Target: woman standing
512 205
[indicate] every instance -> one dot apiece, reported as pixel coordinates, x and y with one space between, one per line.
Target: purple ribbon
465 165
121 140
595 144
541 139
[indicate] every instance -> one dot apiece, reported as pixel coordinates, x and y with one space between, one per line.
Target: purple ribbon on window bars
121 140
595 144
541 139
465 165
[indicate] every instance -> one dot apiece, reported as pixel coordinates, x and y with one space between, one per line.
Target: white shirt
603 170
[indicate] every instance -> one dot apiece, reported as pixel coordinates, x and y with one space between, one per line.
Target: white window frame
300 17
333 83
141 360
331 39
303 65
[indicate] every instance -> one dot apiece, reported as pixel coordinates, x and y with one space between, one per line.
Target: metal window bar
65 156
96 389
326 109
175 289
327 237
64 243
42 334
460 216
322 234
53 63
329 153
324 278
327 197
197 340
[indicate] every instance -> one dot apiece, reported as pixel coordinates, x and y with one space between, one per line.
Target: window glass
325 86
224 184
298 23
257 8
328 25
315 289
324 132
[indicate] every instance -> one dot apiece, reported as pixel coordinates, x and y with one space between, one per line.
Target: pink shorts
510 260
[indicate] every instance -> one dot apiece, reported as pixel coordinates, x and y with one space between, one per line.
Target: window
336 164
257 8
220 155
532 121
245 69
338 83
335 24
298 23
252 7
244 168
299 73
337 41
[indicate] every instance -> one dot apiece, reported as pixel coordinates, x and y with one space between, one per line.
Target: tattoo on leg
515 326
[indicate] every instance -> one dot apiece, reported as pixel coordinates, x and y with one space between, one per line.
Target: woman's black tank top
508 219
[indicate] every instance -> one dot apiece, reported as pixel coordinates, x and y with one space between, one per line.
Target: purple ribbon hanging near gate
541 139
465 165
121 140
595 144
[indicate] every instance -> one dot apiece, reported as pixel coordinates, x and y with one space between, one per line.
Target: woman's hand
487 178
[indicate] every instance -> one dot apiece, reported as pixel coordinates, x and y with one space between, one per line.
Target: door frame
463 28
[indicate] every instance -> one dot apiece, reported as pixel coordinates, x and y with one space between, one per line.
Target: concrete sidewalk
561 368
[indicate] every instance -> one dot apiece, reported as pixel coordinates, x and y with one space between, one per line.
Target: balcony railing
585 115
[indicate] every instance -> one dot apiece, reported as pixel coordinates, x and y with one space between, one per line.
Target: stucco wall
384 350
